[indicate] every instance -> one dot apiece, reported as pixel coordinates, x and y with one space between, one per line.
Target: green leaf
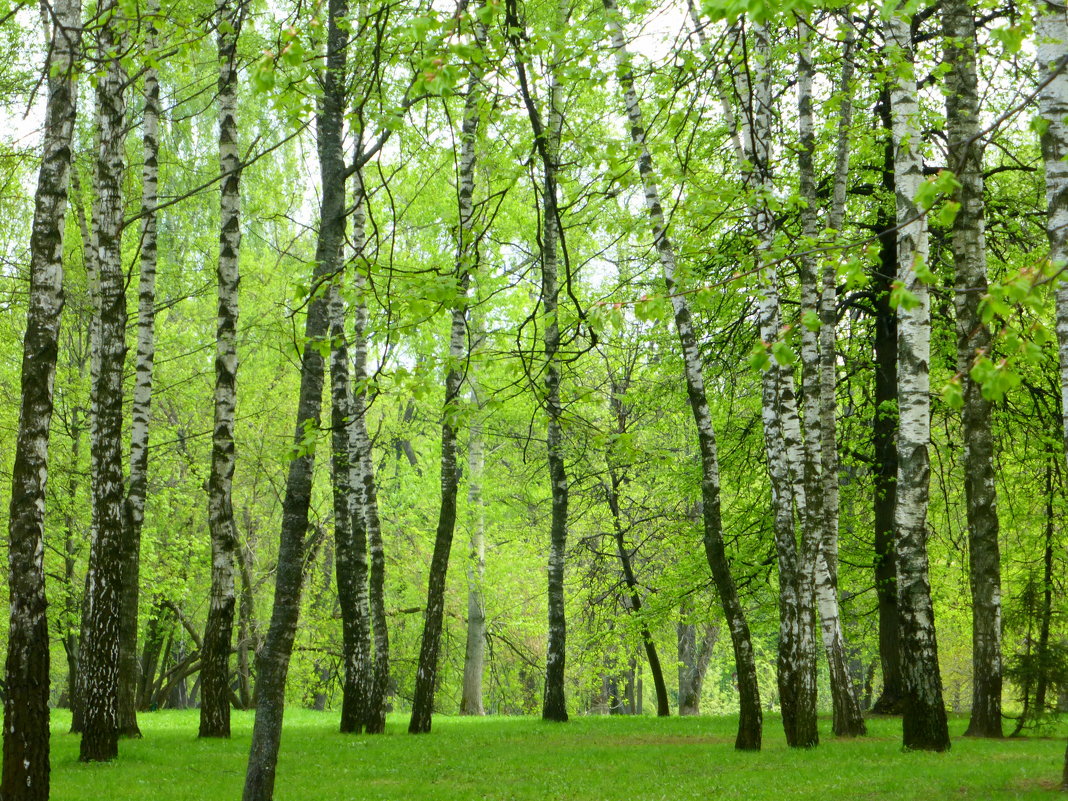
953 394
901 298
811 320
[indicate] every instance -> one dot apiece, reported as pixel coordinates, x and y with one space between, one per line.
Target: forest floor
523 759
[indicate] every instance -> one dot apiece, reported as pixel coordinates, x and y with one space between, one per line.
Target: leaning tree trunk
100 637
26 755
924 724
467 260
751 717
969 261
350 537
475 651
1051 29
218 631
615 480
137 489
273 662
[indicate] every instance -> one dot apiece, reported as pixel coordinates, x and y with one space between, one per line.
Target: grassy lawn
588 759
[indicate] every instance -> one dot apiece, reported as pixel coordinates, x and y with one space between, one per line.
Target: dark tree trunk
969 259
218 631
272 664
100 635
884 428
26 762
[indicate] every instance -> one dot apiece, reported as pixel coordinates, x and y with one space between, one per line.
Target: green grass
588 759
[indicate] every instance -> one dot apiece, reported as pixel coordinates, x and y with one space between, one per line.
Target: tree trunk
218 631
751 716
693 663
969 261
847 720
1051 30
475 652
350 535
100 636
884 432
272 664
375 722
26 673
137 487
924 724
615 480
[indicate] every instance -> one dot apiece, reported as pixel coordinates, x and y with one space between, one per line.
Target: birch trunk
969 261
818 385
475 651
350 531
924 724
273 660
137 487
26 761
750 718
466 261
100 638
1051 30
218 631
375 722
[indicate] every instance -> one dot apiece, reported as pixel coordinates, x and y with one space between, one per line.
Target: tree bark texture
26 763
137 485
973 337
350 536
750 717
273 660
100 637
694 657
924 723
475 650
218 631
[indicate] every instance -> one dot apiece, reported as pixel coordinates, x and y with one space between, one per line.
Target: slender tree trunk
751 717
969 260
100 637
1051 30
818 383
247 634
924 724
272 664
375 722
26 673
349 531
615 480
218 631
547 143
475 652
137 488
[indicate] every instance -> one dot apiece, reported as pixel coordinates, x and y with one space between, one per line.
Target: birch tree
218 631
100 636
26 764
750 717
140 412
458 354
924 722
